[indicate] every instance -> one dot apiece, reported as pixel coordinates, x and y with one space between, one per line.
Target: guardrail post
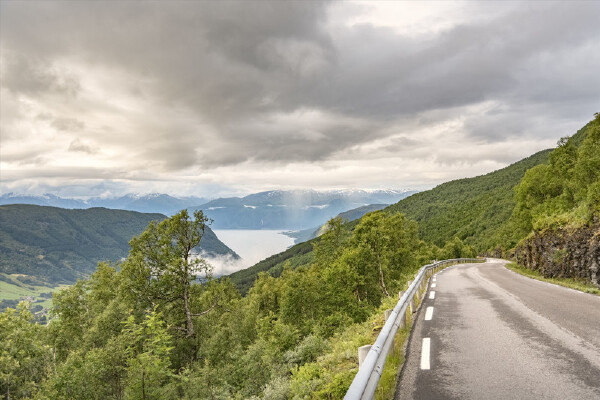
412 305
387 314
362 354
402 321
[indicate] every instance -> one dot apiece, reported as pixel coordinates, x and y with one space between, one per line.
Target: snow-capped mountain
292 209
275 209
150 203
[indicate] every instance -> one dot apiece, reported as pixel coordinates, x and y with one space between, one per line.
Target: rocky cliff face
563 253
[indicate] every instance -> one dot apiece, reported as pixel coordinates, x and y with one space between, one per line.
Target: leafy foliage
24 357
153 330
566 191
298 255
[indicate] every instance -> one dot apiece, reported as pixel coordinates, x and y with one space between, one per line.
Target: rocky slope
563 253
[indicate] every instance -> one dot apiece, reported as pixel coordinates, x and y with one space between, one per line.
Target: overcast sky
220 98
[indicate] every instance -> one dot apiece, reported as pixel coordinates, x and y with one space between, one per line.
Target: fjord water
251 245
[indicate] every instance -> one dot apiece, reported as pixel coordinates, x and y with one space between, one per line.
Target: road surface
489 333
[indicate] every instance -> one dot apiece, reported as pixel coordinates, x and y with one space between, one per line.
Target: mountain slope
296 209
150 203
350 215
476 210
59 245
473 209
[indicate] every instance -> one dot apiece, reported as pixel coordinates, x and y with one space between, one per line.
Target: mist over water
251 245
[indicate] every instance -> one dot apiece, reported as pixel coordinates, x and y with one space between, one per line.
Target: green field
12 289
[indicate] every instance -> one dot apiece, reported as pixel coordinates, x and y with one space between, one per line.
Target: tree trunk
188 313
382 281
143 386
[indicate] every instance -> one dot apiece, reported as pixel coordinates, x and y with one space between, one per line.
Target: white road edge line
432 294
433 285
429 314
425 353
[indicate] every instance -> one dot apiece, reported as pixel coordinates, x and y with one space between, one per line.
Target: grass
14 290
566 282
331 374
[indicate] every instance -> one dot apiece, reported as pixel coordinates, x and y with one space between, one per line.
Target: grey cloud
238 65
79 146
67 124
30 156
32 76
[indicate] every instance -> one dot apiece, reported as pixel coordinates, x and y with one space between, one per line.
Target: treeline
159 327
565 192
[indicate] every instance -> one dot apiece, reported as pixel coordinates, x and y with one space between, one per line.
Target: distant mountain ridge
348 216
294 209
276 209
150 203
56 245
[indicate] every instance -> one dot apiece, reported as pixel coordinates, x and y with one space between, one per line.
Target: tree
24 359
331 243
71 318
390 244
163 265
148 362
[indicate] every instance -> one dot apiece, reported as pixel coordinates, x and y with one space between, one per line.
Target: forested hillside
55 245
295 256
472 209
558 209
478 210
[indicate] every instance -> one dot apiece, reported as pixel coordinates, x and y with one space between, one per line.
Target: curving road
489 333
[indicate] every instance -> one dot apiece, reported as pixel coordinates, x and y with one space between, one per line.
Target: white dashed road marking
432 295
425 353
433 285
428 313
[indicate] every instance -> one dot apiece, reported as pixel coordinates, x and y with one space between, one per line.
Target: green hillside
55 245
300 254
472 209
476 210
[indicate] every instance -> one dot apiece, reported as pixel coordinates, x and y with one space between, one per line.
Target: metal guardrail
365 382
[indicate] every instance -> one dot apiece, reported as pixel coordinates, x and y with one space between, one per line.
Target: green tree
70 318
95 374
564 191
390 244
163 265
331 243
148 365
24 359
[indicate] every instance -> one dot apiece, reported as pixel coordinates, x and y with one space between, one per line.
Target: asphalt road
493 334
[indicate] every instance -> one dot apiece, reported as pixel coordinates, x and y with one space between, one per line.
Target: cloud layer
178 96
